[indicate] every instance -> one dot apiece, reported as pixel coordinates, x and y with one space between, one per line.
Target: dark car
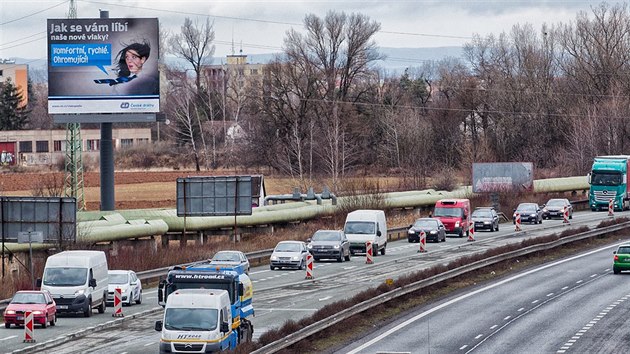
485 218
433 228
530 212
555 208
329 244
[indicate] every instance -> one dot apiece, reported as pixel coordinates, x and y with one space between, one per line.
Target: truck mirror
308 240
241 289
224 327
588 177
160 292
39 283
92 283
158 326
378 233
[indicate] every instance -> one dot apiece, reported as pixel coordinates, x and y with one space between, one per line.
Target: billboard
214 196
502 177
107 65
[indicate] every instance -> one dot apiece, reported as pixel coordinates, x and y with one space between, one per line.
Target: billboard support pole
107 159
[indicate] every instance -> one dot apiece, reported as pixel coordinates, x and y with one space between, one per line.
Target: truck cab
608 181
197 320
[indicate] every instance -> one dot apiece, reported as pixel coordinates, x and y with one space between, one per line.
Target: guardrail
407 289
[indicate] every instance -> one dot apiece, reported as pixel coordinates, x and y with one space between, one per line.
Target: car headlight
309 246
38 313
533 215
486 222
411 232
336 247
9 312
457 224
79 292
545 210
274 258
296 258
433 232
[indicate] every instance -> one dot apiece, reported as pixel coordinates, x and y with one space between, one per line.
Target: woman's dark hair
143 50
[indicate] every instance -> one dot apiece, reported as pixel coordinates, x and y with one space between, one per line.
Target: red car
40 302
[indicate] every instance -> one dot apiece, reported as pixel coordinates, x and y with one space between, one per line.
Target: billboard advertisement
502 177
107 65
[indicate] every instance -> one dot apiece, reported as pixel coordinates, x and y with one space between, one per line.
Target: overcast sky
260 25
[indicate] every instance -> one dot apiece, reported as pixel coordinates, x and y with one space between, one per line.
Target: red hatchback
40 302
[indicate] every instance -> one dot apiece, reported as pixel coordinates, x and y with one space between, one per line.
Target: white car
232 259
128 282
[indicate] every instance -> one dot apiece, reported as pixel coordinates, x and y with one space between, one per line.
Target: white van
198 320
366 225
77 281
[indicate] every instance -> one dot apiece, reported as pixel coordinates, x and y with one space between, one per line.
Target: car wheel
497 229
54 320
409 240
383 249
45 323
87 312
303 265
571 216
272 267
348 256
616 270
340 258
130 300
7 325
139 301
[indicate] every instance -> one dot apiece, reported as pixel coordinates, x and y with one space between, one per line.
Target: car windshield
288 247
526 208
226 257
556 202
28 298
482 214
425 224
191 319
623 250
360 227
65 276
118 278
448 212
326 236
606 179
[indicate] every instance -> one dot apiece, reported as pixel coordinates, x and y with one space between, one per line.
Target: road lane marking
470 294
463 347
550 294
479 336
521 309
148 344
9 337
325 298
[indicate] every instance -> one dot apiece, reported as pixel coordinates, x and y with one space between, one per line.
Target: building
18 74
235 70
47 147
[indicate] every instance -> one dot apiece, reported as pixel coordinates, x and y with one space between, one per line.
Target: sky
259 26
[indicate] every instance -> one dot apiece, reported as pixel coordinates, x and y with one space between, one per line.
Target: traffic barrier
517 222
471 234
611 208
565 215
368 252
117 303
309 266
28 327
423 242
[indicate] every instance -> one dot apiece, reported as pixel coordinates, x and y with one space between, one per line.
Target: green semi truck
609 181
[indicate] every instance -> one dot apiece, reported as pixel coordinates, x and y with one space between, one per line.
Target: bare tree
194 44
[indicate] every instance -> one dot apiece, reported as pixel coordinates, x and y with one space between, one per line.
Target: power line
32 14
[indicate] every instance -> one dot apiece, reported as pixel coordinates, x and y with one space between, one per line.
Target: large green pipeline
99 226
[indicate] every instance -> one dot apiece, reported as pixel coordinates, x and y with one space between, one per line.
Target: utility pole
73 182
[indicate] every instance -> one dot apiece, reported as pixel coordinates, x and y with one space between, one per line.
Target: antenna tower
73 182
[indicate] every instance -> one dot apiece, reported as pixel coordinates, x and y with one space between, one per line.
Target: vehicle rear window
624 250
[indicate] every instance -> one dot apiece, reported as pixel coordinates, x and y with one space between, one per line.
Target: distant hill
397 59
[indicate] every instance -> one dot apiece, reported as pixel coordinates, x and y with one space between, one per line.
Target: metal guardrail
405 290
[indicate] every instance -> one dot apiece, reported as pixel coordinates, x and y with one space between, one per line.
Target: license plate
20 318
62 307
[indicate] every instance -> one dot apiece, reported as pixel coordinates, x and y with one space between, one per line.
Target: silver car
289 254
329 244
236 259
129 284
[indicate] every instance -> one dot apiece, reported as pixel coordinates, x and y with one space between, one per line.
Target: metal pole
107 159
30 260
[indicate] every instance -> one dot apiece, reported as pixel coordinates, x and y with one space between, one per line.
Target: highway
576 305
282 294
